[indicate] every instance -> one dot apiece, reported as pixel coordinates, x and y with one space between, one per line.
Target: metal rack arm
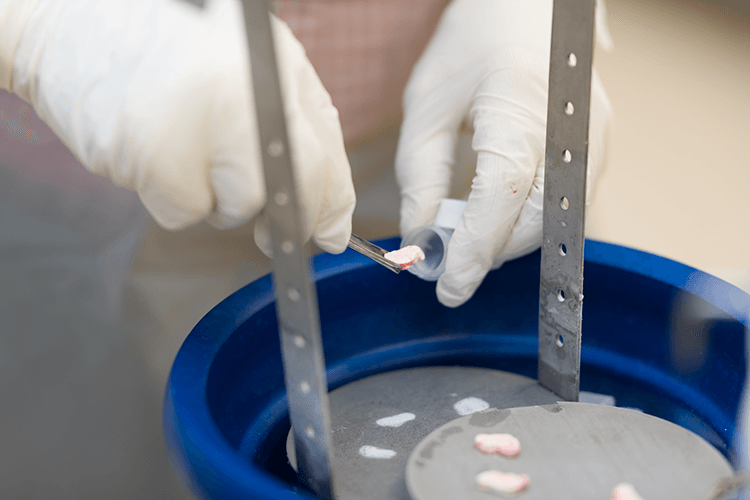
296 300
561 284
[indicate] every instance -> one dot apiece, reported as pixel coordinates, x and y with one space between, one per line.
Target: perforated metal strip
296 300
561 286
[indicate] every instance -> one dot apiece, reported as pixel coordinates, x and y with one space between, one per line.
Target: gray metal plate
569 450
431 395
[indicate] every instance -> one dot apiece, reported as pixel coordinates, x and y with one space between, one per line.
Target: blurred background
677 179
95 304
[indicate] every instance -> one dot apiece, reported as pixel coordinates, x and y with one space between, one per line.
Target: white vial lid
449 213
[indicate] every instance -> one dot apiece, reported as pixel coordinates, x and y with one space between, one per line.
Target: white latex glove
487 63
155 95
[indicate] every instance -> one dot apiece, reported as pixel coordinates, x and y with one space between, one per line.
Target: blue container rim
187 417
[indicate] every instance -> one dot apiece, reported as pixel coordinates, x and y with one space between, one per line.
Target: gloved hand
155 95
488 63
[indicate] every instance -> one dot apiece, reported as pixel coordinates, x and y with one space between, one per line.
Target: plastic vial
434 239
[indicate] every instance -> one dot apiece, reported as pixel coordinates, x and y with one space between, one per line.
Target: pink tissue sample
505 483
406 257
505 445
625 491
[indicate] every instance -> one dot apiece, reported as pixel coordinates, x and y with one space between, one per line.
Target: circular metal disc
370 453
569 450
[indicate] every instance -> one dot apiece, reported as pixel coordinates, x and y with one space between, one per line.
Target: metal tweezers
373 252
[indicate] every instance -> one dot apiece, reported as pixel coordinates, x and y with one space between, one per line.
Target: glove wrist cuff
14 17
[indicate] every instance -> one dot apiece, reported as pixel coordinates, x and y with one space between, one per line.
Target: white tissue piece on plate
375 452
596 398
406 257
504 483
470 405
625 491
395 420
505 445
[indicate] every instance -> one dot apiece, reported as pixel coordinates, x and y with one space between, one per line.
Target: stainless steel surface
296 301
373 252
561 284
430 394
568 450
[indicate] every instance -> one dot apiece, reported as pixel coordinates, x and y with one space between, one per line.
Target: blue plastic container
225 413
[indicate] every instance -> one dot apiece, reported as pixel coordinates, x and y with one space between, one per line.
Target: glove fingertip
334 247
262 235
417 213
336 238
169 214
451 296
221 220
464 272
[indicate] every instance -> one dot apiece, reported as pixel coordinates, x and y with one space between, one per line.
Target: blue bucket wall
225 413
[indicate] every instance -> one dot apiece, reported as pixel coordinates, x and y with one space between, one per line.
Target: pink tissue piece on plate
406 257
505 445
625 491
505 483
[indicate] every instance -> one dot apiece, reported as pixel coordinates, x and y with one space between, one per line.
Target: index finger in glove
435 102
333 225
527 232
322 174
508 114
